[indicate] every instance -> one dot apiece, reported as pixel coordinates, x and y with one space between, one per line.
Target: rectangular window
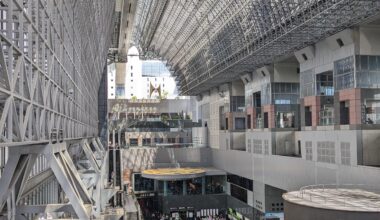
237 103
307 79
120 90
240 181
248 121
146 141
345 153
239 123
326 151
309 150
266 147
133 141
344 73
158 140
257 146
239 193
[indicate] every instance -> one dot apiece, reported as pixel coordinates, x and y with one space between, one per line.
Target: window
237 103
143 184
131 74
120 90
171 140
304 57
194 186
215 184
257 146
367 71
307 79
239 123
249 146
175 187
131 67
266 147
345 153
249 121
240 181
239 193
309 150
344 113
158 140
285 93
257 99
324 83
146 141
326 151
340 42
344 73
133 141
308 116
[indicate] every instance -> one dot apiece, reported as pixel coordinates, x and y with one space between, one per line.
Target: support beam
90 155
32 209
15 182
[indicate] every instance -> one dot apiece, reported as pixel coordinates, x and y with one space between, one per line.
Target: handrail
306 192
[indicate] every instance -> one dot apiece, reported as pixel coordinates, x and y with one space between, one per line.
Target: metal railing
167 145
312 192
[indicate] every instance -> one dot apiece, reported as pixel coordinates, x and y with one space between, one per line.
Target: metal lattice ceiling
208 42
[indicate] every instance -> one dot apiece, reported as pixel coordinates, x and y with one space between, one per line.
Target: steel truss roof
208 42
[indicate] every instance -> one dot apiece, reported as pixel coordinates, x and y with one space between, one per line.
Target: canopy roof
209 42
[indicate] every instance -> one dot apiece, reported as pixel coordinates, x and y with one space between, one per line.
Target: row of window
326 152
148 141
343 77
258 146
240 181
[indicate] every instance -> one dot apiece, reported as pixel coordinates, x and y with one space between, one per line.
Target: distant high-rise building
148 79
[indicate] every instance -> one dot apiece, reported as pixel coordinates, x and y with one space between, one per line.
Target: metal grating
210 42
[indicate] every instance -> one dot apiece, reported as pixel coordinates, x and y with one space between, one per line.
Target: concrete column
203 185
184 187
165 188
155 185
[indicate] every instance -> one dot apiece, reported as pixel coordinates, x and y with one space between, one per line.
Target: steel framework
52 57
210 42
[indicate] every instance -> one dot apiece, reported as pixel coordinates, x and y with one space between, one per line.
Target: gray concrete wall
138 159
291 173
371 147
